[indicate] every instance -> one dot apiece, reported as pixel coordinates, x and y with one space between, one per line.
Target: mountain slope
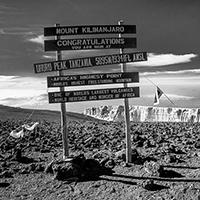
15 113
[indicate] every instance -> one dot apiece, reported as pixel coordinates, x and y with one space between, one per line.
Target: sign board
89 29
89 43
90 62
93 95
92 79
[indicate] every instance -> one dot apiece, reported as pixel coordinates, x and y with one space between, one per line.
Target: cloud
33 101
17 87
20 82
65 54
73 54
9 10
8 78
172 96
194 71
4 8
16 31
18 93
39 39
2 32
23 91
49 56
177 97
155 60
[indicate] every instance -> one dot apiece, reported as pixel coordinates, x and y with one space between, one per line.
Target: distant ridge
145 113
17 113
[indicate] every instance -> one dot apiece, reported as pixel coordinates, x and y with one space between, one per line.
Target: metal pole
64 129
126 112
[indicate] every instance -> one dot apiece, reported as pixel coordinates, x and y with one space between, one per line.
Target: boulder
79 168
152 168
121 155
65 171
6 174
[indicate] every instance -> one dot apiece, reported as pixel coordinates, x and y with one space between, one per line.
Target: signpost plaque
89 29
93 95
89 43
90 62
92 79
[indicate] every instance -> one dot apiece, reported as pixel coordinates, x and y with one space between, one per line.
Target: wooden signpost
64 129
126 113
62 80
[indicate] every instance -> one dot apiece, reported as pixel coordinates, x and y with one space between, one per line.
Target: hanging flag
158 94
30 128
16 134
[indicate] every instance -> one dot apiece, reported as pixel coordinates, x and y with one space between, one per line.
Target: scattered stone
125 164
121 155
45 150
112 190
110 164
197 144
39 167
6 174
104 161
172 159
168 173
32 167
49 168
146 183
24 171
17 155
4 164
102 154
152 168
151 186
4 184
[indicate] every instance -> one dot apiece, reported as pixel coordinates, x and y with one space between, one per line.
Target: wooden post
126 113
64 129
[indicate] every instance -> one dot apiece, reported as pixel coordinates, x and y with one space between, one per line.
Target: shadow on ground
4 184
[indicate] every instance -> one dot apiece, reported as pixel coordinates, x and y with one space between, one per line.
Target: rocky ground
166 161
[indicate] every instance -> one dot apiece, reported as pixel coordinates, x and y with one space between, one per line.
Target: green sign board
89 29
92 79
93 95
90 62
89 43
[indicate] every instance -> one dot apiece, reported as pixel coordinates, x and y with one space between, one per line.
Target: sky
167 30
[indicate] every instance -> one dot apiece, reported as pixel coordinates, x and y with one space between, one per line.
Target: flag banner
158 94
16 134
30 128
